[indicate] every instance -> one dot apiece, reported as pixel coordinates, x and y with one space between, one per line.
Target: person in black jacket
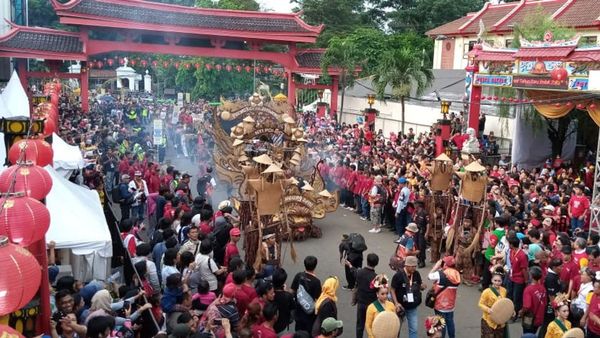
407 286
354 257
284 300
312 285
365 295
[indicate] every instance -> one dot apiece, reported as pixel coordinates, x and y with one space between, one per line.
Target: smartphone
217 321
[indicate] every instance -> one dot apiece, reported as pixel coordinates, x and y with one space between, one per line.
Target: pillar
333 107
131 83
84 86
291 89
475 108
473 93
147 82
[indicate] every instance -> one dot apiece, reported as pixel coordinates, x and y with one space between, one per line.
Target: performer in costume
489 296
560 324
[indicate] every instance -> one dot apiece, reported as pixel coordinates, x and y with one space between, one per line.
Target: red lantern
133 62
49 127
557 104
177 65
228 68
569 104
592 106
154 63
9 332
238 68
196 65
92 64
166 64
580 106
121 61
37 151
266 69
24 220
144 63
33 180
208 66
257 69
510 99
187 65
559 74
218 67
100 64
110 62
21 278
495 98
248 69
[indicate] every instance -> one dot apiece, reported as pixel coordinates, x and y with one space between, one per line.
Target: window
467 47
588 41
508 43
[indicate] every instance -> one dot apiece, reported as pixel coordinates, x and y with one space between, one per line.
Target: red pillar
84 83
475 96
334 96
38 250
291 89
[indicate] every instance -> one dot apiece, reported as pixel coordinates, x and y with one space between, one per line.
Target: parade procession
303 168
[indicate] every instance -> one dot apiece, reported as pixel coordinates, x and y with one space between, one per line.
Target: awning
585 55
495 56
544 52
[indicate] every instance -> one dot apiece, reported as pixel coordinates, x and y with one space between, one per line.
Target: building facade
454 40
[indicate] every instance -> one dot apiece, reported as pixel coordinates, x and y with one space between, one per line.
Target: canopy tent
13 103
78 224
66 157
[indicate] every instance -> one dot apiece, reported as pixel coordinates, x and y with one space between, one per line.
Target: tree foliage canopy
535 25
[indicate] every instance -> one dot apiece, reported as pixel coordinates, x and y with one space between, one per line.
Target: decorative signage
578 83
540 82
493 80
527 67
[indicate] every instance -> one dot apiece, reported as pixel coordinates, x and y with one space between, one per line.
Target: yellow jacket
554 331
372 313
487 299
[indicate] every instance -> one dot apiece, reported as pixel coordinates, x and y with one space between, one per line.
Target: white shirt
584 290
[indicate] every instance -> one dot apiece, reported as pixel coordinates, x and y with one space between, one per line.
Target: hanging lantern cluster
238 68
24 219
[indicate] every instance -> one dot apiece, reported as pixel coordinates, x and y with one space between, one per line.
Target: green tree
345 55
41 14
422 15
402 69
247 5
340 17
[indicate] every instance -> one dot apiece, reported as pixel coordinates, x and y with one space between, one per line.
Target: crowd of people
190 279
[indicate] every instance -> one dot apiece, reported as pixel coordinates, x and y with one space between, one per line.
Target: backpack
382 195
357 242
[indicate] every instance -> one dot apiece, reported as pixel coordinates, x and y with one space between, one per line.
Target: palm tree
344 55
401 69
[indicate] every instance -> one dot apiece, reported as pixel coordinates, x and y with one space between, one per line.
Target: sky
281 6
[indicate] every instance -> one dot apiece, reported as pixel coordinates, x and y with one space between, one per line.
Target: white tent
13 103
77 223
66 157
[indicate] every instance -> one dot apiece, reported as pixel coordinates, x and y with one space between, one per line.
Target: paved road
467 315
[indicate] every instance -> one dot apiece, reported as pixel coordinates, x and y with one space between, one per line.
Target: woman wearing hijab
325 306
102 305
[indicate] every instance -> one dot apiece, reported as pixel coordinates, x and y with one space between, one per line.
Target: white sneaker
373 230
378 230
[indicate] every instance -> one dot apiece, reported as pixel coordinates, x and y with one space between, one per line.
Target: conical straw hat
474 167
325 193
248 119
288 119
443 157
273 168
237 142
293 180
243 158
263 159
386 325
307 187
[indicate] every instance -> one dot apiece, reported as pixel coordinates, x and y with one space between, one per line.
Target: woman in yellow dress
381 304
560 324
489 296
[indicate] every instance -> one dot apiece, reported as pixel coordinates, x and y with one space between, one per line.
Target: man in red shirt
534 302
519 274
592 315
578 208
570 268
265 330
231 248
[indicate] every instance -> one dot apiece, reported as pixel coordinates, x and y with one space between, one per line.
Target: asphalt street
467 315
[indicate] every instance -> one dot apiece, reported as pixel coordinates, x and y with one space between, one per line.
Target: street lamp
445 108
371 100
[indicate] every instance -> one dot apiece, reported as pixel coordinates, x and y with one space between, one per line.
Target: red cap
235 232
229 290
